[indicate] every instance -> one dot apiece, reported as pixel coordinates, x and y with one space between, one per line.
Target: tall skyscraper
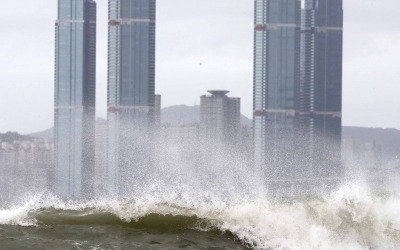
220 118
131 83
75 90
276 82
321 96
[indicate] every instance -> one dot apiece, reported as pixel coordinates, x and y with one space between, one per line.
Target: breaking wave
351 217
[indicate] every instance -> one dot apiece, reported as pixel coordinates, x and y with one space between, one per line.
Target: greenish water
110 237
83 229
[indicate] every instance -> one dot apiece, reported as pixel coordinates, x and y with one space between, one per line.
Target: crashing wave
349 218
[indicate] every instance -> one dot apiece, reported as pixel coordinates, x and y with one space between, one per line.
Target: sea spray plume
201 186
354 214
18 215
349 218
23 212
207 166
192 165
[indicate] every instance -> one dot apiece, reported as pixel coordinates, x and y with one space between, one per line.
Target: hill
45 134
14 136
180 115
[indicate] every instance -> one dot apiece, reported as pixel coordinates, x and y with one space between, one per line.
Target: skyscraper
321 96
276 82
131 83
75 90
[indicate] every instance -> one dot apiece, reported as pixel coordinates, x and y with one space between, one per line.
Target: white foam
349 218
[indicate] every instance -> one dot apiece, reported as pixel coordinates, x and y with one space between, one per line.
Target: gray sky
216 33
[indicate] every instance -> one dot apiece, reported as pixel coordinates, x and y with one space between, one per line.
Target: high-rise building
75 91
131 83
298 88
276 84
320 105
220 118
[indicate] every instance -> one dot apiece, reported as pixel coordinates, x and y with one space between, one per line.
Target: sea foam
351 217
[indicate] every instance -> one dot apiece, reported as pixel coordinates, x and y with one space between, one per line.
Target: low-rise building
25 166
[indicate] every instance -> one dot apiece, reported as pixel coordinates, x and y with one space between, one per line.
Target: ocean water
350 217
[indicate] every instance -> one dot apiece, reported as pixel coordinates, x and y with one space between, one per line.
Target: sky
201 45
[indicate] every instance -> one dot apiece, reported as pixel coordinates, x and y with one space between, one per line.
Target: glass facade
75 91
298 88
321 103
276 82
131 83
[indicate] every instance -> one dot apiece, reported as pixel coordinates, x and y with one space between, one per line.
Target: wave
349 218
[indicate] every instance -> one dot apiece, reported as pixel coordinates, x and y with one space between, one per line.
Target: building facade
298 88
320 106
276 82
220 118
75 91
131 83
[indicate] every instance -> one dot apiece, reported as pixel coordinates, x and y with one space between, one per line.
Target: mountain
45 134
14 136
182 114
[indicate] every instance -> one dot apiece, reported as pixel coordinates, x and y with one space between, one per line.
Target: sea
349 217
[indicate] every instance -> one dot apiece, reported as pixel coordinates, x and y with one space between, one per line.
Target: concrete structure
276 81
75 97
131 83
220 118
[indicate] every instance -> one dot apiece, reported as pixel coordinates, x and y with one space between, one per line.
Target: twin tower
131 86
297 91
298 47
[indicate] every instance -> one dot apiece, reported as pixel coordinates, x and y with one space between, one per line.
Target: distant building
75 98
220 118
25 167
131 84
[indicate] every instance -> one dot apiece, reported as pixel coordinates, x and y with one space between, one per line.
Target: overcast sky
216 33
